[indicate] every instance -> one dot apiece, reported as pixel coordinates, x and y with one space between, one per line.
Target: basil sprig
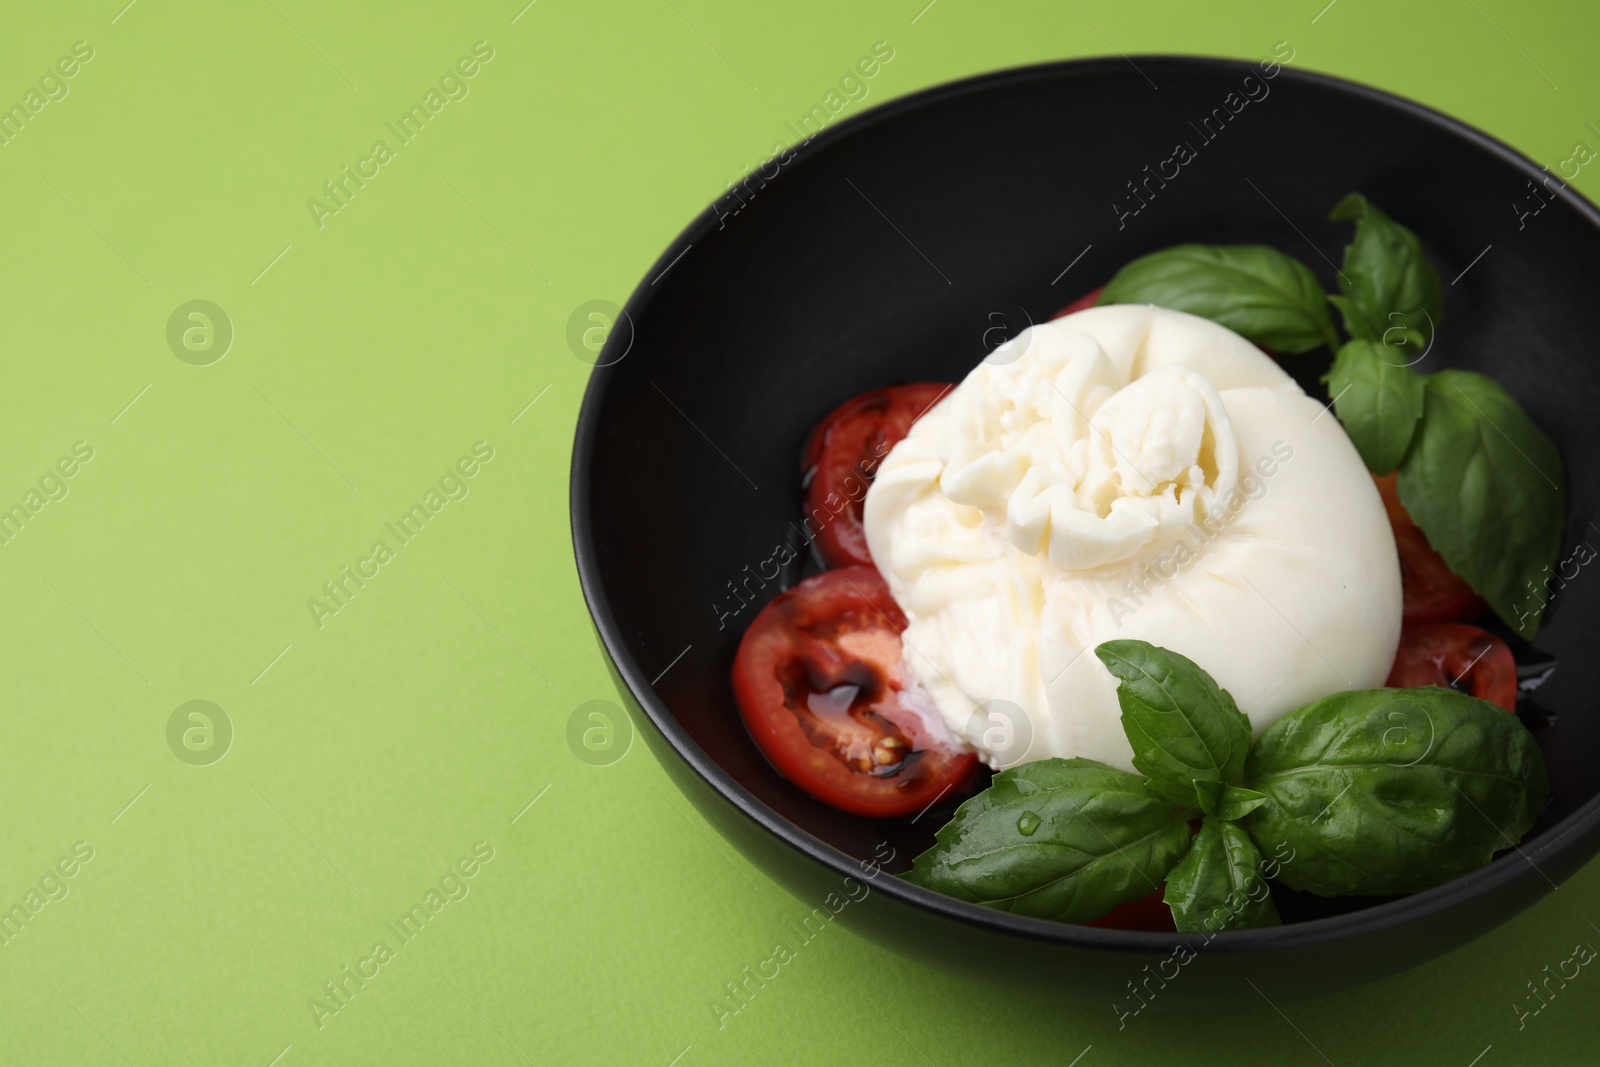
1483 482
1189 737
1219 885
1487 487
1378 399
1388 791
1254 290
1057 839
1479 477
1388 285
1370 792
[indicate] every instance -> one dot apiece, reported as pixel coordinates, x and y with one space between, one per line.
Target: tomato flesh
843 454
1432 591
1455 655
820 686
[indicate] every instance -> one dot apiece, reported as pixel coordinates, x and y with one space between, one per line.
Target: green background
370 754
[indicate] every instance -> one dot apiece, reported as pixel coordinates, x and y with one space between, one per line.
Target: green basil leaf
1379 400
1188 736
1382 791
1065 839
1237 802
1392 294
1487 487
1254 290
1219 884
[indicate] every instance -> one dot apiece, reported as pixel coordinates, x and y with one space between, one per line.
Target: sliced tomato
819 683
1082 303
842 455
1455 655
1432 591
1149 912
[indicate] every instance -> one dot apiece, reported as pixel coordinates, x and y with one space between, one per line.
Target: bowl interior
887 247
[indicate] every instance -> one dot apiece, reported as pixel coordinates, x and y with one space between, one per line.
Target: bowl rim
1375 919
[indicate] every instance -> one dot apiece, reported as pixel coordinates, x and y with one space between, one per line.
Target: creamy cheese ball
1129 472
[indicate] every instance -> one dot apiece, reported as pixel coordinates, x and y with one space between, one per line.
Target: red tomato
1147 913
1454 655
843 453
818 680
1432 591
1085 301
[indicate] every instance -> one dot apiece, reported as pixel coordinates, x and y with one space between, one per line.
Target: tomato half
843 453
1432 591
1082 303
1149 912
1455 655
818 680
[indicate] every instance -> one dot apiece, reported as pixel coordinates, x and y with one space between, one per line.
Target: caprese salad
1210 636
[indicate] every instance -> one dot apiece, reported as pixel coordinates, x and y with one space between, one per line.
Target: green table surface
378 749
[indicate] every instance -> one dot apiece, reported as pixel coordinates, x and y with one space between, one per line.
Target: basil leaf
1219 884
1237 802
1379 400
1382 791
1254 290
1392 294
1065 839
1188 736
1487 487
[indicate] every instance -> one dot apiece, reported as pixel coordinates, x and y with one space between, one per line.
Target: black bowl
881 252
